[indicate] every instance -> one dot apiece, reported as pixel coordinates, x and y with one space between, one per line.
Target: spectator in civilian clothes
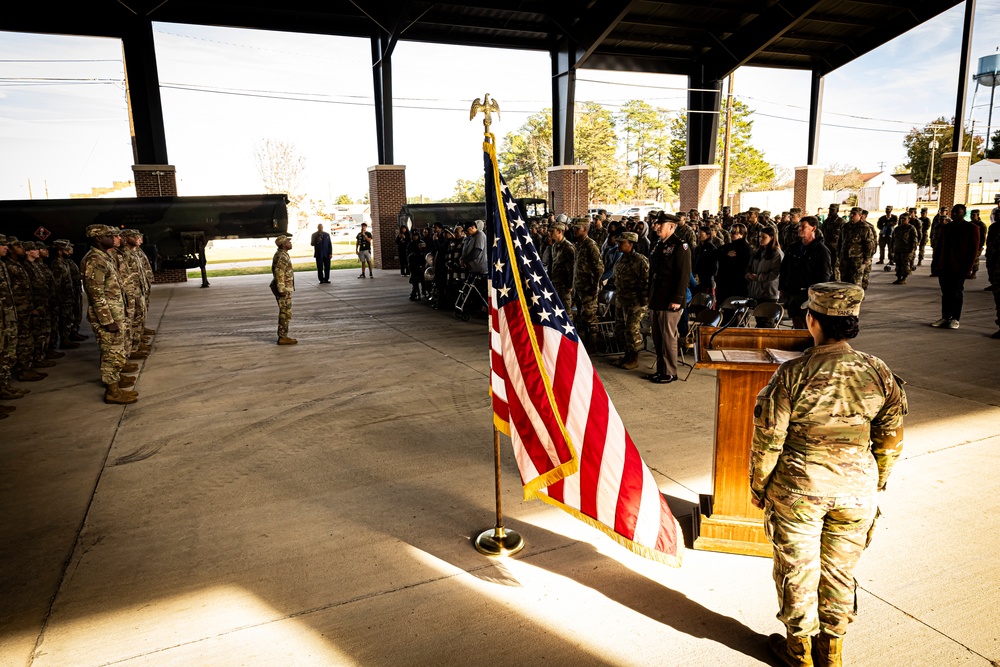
954 256
734 258
805 263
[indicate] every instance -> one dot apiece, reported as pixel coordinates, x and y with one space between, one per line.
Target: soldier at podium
828 428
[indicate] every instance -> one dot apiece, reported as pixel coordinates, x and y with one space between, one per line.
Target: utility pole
728 137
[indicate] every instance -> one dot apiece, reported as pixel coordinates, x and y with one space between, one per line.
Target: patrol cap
39 245
281 239
559 225
834 207
581 222
93 231
632 237
131 233
62 244
12 240
837 299
28 245
794 209
753 209
855 209
3 240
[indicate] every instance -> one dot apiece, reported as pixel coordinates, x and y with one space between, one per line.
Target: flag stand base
499 542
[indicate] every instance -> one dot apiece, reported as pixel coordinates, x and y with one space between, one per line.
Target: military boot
285 340
631 361
10 394
77 336
4 415
115 396
130 368
828 650
52 354
6 409
126 381
31 376
148 332
793 651
138 354
69 345
45 363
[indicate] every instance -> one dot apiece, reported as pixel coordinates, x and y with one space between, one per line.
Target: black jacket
804 266
669 273
731 279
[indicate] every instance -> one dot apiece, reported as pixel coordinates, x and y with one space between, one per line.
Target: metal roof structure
704 40
641 35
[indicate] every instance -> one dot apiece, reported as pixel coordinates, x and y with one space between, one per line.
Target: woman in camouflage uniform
828 428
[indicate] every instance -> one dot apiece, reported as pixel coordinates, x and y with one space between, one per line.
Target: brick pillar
808 194
387 194
700 187
170 276
569 190
954 178
155 180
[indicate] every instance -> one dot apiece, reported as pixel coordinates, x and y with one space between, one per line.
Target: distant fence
982 193
900 195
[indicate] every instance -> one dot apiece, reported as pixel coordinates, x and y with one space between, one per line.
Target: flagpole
498 541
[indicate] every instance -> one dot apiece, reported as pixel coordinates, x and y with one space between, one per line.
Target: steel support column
963 77
563 102
382 47
142 84
815 115
704 97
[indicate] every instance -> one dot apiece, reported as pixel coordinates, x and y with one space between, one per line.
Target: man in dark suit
954 256
322 251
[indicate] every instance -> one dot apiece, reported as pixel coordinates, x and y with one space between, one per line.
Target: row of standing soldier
41 303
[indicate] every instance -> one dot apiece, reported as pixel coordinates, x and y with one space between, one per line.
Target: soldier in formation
631 277
563 259
106 313
587 271
816 473
885 225
978 221
857 249
904 247
282 286
993 262
925 228
833 226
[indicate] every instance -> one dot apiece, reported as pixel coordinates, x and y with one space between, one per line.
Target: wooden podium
745 360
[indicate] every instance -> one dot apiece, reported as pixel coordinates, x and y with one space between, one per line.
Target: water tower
989 75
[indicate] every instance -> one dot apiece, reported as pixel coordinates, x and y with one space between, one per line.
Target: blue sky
64 123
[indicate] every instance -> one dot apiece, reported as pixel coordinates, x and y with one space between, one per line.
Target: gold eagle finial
487 106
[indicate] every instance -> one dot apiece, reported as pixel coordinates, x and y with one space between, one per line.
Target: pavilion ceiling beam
753 37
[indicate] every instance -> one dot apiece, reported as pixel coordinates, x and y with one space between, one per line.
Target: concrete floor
314 505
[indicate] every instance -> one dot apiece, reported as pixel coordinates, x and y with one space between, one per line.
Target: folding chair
700 302
736 311
768 315
706 318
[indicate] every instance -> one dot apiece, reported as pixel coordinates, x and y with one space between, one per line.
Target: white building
876 179
985 171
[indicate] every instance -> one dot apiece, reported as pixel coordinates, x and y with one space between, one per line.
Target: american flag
571 447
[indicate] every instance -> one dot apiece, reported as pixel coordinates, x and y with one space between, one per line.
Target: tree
918 148
344 199
280 168
526 155
646 147
994 152
748 170
841 177
470 191
596 145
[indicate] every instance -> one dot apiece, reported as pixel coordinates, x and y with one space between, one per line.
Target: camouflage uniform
77 294
631 276
925 227
20 286
129 276
828 428
50 279
599 236
904 248
106 305
8 326
563 260
833 228
65 297
41 297
587 273
282 286
686 234
857 248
